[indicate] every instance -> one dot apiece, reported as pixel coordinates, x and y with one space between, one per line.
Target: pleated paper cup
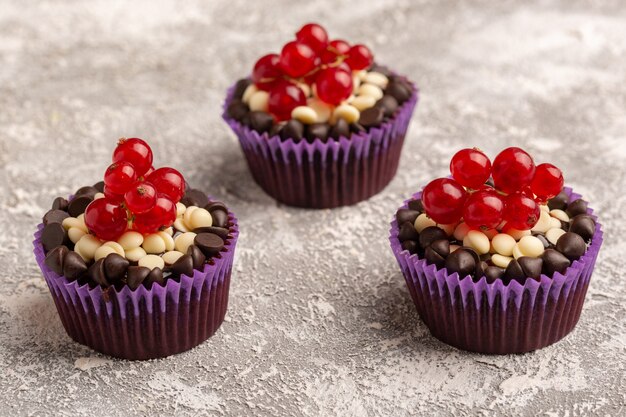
497 318
338 172
144 323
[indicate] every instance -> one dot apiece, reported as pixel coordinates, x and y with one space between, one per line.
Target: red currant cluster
519 187
312 59
135 193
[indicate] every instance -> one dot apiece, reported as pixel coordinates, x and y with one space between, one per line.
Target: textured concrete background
320 321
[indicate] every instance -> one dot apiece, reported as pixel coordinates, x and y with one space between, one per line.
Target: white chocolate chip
152 261
356 82
322 110
135 254
554 234
363 102
422 222
187 216
172 256
305 89
183 241
559 214
86 247
169 231
361 74
103 251
543 224
168 239
478 241
554 222
370 90
501 260
460 231
251 89
119 249
98 196
516 234
517 252
544 207
200 218
304 114
503 244
75 233
74 222
179 224
259 101
530 246
153 244
347 112
130 240
377 78
180 209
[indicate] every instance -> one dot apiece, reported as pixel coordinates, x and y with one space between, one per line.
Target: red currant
521 212
119 198
512 170
169 182
159 217
314 36
148 172
106 219
483 209
284 97
266 70
335 49
359 57
136 151
297 59
443 200
333 85
120 177
141 198
547 182
471 168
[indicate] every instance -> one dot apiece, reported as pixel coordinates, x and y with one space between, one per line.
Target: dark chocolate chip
317 130
416 205
275 130
73 266
220 218
515 272
559 202
480 270
485 257
382 69
220 231
554 261
565 225
408 232
433 257
53 235
430 234
195 197
441 246
341 129
115 267
197 256
237 109
155 276
357 128
77 206
398 90
576 207
54 258
584 226
410 245
531 266
216 205
136 275
261 121
293 129
87 191
406 215
240 87
371 117
493 273
96 273
388 104
543 240
473 253
209 243
246 120
55 216
99 186
462 262
183 266
59 203
571 245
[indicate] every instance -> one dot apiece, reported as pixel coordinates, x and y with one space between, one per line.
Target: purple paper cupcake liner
325 174
144 323
497 318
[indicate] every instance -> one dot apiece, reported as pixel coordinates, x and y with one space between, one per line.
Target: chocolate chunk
406 215
317 130
398 90
136 275
416 205
493 273
115 267
554 261
55 216
559 202
341 129
73 266
96 273
408 232
571 245
430 234
209 243
260 121
240 87
220 231
576 207
462 262
197 256
183 266
99 186
53 235
54 258
237 109
388 104
515 272
87 191
59 203
194 197
410 245
357 128
293 129
371 117
155 277
584 226
220 218
77 206
531 266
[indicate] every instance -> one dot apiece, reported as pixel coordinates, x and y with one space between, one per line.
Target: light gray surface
320 321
